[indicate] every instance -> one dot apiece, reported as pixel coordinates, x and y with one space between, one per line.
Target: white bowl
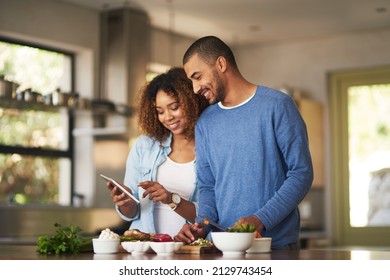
260 245
165 248
233 243
136 247
105 246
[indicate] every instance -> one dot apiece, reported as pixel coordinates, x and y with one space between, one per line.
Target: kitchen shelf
97 108
25 105
99 131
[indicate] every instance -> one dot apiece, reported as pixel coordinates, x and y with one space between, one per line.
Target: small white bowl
165 248
136 247
233 243
105 246
260 245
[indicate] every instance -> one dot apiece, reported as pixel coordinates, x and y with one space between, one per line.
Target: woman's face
170 113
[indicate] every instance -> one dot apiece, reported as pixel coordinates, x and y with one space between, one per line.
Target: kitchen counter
28 252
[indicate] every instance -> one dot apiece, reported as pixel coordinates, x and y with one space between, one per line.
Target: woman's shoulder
144 141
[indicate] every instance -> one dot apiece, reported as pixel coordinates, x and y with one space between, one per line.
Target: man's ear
221 64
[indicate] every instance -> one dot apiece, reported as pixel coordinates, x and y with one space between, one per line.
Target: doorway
360 139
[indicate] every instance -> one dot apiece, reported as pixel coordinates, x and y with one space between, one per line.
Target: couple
252 158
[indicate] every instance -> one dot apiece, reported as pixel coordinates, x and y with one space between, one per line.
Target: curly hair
175 83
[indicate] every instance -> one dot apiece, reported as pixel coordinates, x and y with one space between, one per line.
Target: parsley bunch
66 240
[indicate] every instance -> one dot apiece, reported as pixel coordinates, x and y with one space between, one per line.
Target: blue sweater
254 160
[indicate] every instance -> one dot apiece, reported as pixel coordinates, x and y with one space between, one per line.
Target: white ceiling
258 21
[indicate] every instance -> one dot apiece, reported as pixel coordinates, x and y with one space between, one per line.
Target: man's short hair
209 48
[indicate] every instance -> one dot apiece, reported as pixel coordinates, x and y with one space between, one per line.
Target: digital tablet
108 179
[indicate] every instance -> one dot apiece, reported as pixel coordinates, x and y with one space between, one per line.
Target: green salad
242 227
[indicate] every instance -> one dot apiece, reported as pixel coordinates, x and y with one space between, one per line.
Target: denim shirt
142 164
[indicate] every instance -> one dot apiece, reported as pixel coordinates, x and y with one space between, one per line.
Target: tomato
162 237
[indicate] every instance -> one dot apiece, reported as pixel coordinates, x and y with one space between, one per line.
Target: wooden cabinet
312 113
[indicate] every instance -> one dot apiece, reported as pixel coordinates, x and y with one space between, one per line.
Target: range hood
125 44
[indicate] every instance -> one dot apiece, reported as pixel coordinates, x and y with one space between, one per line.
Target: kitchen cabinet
312 114
312 207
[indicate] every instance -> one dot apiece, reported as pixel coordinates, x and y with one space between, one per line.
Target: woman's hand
190 233
119 198
156 192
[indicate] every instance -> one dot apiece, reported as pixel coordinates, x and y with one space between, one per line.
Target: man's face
205 79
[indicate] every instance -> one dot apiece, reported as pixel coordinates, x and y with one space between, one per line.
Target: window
369 154
36 147
359 112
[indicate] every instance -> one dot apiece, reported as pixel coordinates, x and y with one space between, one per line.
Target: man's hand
254 221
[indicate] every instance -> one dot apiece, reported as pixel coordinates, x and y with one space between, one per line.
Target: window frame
43 152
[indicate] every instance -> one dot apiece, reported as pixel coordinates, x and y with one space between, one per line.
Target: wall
168 48
305 65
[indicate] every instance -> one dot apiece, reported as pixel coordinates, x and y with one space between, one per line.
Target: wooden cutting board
187 249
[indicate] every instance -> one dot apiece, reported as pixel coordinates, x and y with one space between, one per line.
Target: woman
160 169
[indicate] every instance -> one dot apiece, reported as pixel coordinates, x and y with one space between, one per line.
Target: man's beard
219 88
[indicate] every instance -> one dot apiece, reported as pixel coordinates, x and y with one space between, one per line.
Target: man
252 157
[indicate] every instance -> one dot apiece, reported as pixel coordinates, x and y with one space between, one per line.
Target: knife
214 224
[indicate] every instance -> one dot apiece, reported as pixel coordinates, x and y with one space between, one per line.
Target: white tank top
178 178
